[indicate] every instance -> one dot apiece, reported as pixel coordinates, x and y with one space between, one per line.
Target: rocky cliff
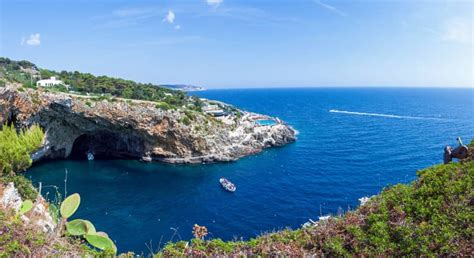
122 128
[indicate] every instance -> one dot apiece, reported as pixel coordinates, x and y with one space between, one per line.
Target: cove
337 158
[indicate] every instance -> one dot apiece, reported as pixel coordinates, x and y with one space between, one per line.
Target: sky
259 43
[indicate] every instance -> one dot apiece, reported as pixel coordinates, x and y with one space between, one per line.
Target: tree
127 93
88 83
45 74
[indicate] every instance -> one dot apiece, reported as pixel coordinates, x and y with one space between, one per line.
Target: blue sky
260 43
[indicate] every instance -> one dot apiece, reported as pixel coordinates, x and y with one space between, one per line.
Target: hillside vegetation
26 74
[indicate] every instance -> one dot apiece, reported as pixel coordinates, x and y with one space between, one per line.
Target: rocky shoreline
119 128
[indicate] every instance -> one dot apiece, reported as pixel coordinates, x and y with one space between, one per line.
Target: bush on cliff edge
15 148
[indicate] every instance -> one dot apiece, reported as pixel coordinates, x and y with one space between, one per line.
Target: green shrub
29 85
185 120
190 115
60 88
238 114
164 106
15 148
335 247
174 249
221 246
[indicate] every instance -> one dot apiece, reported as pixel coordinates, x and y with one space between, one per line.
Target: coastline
137 129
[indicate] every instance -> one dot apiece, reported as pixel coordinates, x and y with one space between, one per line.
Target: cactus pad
76 227
100 242
25 207
70 205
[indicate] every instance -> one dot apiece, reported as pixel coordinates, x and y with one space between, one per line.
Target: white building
49 82
213 110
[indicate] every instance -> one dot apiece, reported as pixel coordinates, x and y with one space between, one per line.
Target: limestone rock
10 198
39 216
75 125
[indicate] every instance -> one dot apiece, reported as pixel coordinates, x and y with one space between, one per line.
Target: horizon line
335 87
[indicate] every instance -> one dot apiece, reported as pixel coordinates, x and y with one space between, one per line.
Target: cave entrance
107 145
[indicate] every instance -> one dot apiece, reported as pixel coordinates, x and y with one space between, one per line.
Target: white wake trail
381 115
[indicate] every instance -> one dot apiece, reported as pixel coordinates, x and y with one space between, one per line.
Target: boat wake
382 115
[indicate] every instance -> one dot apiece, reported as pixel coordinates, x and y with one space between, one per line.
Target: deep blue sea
372 138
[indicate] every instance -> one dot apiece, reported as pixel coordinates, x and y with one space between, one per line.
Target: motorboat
229 186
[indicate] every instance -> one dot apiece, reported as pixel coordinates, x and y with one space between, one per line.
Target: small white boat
227 185
90 156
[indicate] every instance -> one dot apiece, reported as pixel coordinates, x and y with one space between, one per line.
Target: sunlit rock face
38 217
76 125
9 197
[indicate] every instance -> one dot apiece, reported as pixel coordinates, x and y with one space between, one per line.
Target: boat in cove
228 186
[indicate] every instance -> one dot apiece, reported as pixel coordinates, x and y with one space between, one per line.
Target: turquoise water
266 122
351 143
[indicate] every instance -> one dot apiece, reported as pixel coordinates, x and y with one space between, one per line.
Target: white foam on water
381 115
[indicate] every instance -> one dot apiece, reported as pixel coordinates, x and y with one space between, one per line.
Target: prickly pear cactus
100 233
70 205
25 207
101 242
90 227
76 227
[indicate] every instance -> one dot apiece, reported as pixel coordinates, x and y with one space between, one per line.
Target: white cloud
457 31
32 40
214 2
330 8
177 27
169 18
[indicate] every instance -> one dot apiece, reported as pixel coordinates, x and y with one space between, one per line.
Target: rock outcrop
122 128
38 217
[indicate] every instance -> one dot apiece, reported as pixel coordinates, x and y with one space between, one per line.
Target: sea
352 142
